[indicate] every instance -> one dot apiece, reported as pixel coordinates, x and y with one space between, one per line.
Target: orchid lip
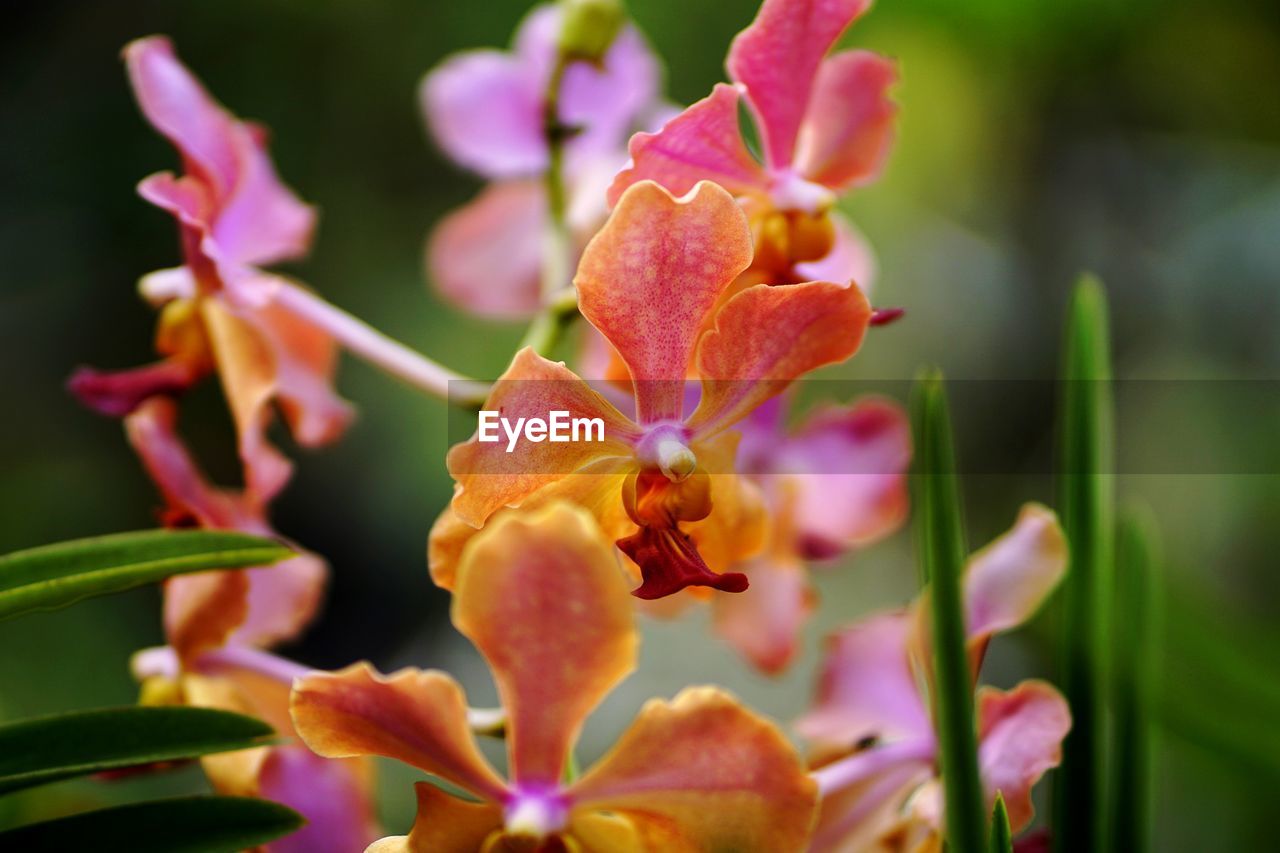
536 812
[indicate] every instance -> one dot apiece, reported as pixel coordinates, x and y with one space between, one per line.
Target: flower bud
589 28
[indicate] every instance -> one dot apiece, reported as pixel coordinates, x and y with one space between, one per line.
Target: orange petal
596 832
444 824
704 773
649 278
416 717
542 597
490 478
202 610
767 336
1020 734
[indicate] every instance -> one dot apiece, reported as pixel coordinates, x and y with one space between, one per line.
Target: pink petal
335 797
763 621
777 58
851 259
486 256
116 393
484 108
703 143
867 688
283 600
607 103
650 277
1007 581
1020 733
849 127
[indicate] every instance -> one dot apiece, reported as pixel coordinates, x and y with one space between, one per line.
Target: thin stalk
942 550
1086 486
1136 668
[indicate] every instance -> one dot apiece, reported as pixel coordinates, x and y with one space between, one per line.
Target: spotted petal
541 596
848 129
777 58
704 773
651 276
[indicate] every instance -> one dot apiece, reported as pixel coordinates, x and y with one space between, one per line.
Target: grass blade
53 576
179 825
1001 835
942 551
47 749
1086 486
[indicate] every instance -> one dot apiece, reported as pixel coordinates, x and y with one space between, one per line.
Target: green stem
1001 835
942 551
1086 486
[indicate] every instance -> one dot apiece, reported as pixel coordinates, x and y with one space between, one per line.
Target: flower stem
390 355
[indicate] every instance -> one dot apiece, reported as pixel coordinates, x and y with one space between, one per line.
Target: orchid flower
217 625
873 713
485 109
826 125
835 483
541 597
662 485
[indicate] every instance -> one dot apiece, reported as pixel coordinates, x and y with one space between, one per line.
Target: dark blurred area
1039 138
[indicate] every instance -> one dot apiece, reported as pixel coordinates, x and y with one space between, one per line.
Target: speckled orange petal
490 478
413 716
765 337
650 277
704 773
542 597
444 824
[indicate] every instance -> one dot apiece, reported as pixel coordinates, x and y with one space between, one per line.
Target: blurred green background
1038 138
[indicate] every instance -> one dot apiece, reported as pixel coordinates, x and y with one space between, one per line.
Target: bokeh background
1038 138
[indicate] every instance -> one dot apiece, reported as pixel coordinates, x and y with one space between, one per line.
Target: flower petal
851 259
766 336
777 57
202 610
1020 736
541 596
484 108
703 143
116 393
282 600
763 622
334 796
863 815
486 256
649 278
444 824
490 478
1007 581
867 688
607 102
413 716
704 773
849 125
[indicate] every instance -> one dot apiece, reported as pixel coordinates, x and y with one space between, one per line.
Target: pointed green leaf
53 576
46 749
1086 487
179 825
1136 663
1001 836
942 551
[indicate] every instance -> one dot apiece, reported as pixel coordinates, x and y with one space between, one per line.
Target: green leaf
942 547
1086 487
1136 673
46 749
1001 835
54 576
179 825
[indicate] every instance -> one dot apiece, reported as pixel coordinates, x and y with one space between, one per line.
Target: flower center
533 813
664 448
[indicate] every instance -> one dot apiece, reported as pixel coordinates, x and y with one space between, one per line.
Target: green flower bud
589 28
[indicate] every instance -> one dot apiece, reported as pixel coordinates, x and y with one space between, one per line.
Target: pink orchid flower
219 310
826 125
834 484
541 597
217 625
872 716
661 484
485 110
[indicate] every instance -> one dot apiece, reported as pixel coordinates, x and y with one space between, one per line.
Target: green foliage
33 752
53 576
1086 487
1001 836
179 825
942 553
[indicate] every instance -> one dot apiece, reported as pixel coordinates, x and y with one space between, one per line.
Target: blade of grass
1136 667
1001 835
940 529
53 576
1086 486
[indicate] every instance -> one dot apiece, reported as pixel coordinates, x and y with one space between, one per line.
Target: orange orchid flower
661 484
541 596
